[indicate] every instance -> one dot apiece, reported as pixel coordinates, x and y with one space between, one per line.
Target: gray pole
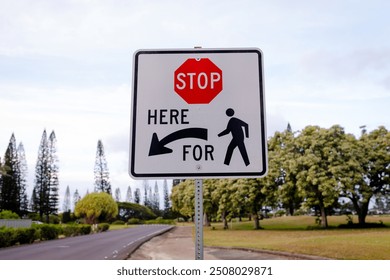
198 219
198 214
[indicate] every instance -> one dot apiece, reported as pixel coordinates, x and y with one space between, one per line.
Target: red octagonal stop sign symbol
198 81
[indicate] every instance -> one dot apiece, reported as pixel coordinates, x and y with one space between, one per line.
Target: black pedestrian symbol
236 127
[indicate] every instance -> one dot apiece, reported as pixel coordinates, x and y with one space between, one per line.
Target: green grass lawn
301 235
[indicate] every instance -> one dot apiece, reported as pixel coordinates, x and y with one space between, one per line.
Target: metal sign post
198 219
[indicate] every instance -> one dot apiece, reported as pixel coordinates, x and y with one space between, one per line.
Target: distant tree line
44 200
316 169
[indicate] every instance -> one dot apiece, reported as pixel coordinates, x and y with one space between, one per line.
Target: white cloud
356 64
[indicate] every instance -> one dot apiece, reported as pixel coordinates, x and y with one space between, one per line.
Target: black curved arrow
157 147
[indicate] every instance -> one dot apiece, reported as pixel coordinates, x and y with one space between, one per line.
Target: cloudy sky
67 66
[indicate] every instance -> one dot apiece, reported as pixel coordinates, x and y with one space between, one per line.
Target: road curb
139 243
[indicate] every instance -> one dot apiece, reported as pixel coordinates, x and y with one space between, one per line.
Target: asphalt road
111 245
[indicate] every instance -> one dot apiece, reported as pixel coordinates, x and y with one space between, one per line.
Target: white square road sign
198 113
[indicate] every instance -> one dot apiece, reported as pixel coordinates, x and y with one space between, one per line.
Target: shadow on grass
366 225
305 228
305 223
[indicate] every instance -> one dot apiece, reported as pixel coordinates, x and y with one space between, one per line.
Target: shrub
103 227
48 232
134 221
10 236
280 213
85 229
34 216
25 235
75 230
66 217
7 214
129 210
96 207
70 230
118 222
7 237
54 219
160 221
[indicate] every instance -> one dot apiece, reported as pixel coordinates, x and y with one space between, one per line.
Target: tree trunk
361 209
256 221
90 220
324 218
291 209
363 213
224 220
206 221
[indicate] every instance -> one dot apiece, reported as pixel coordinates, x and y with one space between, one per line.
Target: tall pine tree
118 196
10 191
137 196
53 173
146 187
3 171
167 213
129 195
34 199
167 204
156 197
102 180
66 206
150 197
41 187
76 198
46 177
22 179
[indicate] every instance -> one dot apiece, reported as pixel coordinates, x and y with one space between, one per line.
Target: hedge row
13 236
75 230
159 220
10 236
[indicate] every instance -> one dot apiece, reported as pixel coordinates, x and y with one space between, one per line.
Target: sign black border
197 175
